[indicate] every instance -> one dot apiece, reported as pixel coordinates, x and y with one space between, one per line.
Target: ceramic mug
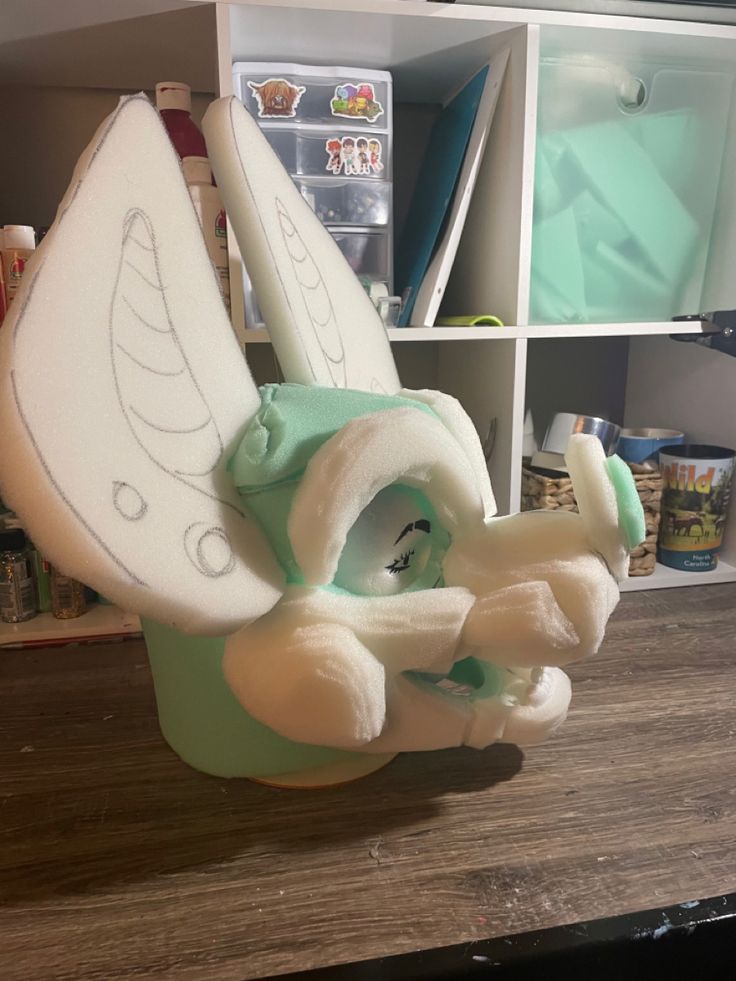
695 495
638 445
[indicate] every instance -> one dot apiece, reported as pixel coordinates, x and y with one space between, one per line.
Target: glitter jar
17 587
67 596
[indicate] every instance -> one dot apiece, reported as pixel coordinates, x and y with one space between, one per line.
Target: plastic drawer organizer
628 163
332 130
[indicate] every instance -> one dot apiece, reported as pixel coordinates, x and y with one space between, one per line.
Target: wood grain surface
118 861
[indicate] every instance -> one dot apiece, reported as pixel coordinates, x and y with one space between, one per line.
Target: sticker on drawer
356 102
277 98
352 155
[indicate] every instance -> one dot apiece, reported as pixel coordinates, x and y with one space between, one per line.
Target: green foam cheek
630 511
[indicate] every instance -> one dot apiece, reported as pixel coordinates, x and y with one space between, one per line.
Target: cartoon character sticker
356 102
334 149
374 159
276 97
350 156
362 148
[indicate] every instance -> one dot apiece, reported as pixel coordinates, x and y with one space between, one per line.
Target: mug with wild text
695 495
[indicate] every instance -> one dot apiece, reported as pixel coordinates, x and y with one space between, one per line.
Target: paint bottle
67 596
42 574
174 103
17 587
3 294
211 214
19 241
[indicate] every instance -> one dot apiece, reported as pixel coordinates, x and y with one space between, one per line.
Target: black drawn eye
401 564
421 525
395 545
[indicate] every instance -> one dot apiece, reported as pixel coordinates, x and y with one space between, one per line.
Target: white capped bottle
19 241
211 214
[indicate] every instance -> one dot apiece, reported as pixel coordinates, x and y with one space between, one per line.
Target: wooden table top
118 861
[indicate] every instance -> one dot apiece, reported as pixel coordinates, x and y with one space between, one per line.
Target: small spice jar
67 596
18 599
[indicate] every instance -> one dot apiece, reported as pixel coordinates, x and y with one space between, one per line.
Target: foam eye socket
395 545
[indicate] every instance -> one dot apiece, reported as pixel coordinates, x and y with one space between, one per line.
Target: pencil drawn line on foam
315 294
267 244
37 449
337 364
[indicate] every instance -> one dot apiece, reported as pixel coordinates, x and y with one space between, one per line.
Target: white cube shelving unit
632 370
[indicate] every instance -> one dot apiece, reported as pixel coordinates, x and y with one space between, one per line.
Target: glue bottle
211 214
19 241
174 103
3 295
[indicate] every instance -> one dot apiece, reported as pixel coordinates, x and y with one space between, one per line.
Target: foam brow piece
123 392
325 329
367 455
455 418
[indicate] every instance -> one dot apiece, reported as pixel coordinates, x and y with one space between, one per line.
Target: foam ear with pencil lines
122 392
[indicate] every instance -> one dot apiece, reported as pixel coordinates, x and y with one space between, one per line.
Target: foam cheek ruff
361 673
553 625
325 668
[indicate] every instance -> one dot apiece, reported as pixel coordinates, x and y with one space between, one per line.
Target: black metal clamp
719 330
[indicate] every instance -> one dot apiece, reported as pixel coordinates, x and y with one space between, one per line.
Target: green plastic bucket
206 726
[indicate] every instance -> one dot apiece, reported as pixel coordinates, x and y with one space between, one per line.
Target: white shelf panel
666 578
100 620
259 335
689 20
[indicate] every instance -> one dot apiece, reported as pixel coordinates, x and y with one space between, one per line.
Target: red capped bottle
174 103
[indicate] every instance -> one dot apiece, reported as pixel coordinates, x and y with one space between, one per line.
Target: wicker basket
540 491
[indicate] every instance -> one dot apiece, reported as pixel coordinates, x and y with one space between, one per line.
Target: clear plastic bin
306 94
348 202
331 152
628 164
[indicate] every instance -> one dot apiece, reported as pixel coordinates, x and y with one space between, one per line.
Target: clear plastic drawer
276 92
348 202
331 152
368 252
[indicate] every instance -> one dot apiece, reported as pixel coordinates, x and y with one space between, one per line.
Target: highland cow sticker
276 97
356 102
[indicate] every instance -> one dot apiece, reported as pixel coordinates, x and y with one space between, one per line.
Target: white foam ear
404 446
597 503
123 393
324 328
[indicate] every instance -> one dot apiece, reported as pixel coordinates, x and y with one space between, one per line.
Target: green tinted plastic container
207 727
630 142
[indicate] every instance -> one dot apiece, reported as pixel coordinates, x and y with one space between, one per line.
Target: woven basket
540 491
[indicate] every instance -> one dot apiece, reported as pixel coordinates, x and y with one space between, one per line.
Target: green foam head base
203 722
291 425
